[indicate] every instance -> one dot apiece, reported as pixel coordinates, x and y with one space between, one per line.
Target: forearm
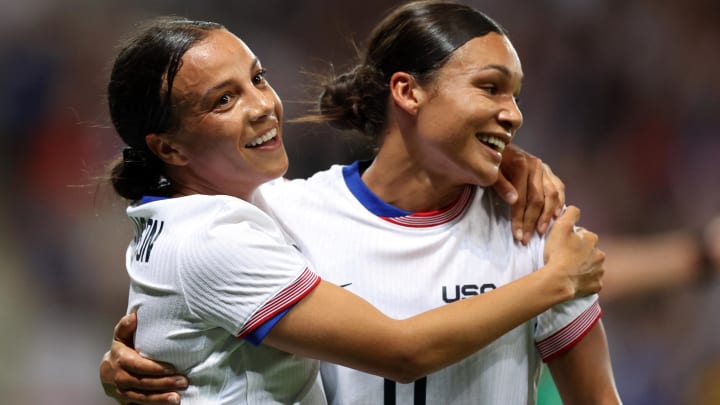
449 333
334 325
357 335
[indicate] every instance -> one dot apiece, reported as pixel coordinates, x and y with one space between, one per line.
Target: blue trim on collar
150 198
367 198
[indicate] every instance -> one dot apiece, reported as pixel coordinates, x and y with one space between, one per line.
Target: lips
260 140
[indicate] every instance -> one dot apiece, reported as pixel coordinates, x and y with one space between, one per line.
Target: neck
405 184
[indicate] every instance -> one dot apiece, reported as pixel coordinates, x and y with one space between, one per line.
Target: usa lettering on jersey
465 291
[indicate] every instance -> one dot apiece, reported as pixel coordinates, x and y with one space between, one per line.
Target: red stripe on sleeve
562 340
290 295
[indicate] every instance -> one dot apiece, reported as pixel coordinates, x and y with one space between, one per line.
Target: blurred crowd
621 98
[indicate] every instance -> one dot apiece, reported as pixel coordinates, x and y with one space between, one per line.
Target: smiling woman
223 293
228 138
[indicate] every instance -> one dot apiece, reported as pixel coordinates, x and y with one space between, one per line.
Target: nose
510 116
261 104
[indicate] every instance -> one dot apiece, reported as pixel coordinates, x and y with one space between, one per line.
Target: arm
332 324
583 375
535 194
136 379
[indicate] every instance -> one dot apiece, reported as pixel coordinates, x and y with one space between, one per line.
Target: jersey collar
395 215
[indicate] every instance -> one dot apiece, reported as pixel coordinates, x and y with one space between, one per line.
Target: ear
406 92
165 149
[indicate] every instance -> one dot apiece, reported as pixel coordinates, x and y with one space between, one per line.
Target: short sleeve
239 272
562 326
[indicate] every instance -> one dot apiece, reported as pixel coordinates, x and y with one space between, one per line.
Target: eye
260 77
223 100
490 88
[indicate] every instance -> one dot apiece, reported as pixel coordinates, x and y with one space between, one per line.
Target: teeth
262 139
497 142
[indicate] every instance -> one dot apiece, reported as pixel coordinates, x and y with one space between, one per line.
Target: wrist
556 282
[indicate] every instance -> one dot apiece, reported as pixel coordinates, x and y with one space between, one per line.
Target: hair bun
350 100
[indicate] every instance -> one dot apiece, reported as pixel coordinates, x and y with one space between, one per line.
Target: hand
573 252
535 194
133 379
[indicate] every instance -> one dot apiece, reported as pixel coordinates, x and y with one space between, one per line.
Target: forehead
489 50
218 55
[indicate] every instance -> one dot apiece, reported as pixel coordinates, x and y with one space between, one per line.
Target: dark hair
416 38
140 99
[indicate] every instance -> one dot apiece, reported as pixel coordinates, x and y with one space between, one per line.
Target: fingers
505 189
130 378
535 200
520 182
126 383
568 219
121 386
133 379
141 398
127 359
554 193
125 329
512 186
540 194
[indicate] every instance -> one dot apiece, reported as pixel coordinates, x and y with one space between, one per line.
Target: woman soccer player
212 275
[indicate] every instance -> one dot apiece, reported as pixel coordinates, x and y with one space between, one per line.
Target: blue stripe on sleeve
258 334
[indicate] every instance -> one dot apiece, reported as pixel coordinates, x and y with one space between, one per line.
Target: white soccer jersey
205 272
407 263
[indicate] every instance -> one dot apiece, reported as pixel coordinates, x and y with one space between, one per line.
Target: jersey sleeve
562 326
239 272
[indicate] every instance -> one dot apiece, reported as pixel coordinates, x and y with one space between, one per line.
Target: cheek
278 105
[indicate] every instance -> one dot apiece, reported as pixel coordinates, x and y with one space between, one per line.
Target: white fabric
206 270
410 264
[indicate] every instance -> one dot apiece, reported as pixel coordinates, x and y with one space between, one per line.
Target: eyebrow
502 69
255 63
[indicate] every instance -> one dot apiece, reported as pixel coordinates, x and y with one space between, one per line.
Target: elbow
408 353
405 376
408 366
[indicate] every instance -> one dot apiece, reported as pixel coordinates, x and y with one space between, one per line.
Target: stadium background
620 97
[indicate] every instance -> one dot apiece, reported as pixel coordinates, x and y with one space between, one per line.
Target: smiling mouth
492 142
270 135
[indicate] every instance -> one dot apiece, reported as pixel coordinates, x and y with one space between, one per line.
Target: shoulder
499 226
197 206
237 235
300 191
205 223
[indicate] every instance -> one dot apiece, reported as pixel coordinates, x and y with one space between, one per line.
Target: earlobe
405 92
165 150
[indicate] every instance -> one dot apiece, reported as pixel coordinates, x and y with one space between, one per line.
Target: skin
431 146
227 105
